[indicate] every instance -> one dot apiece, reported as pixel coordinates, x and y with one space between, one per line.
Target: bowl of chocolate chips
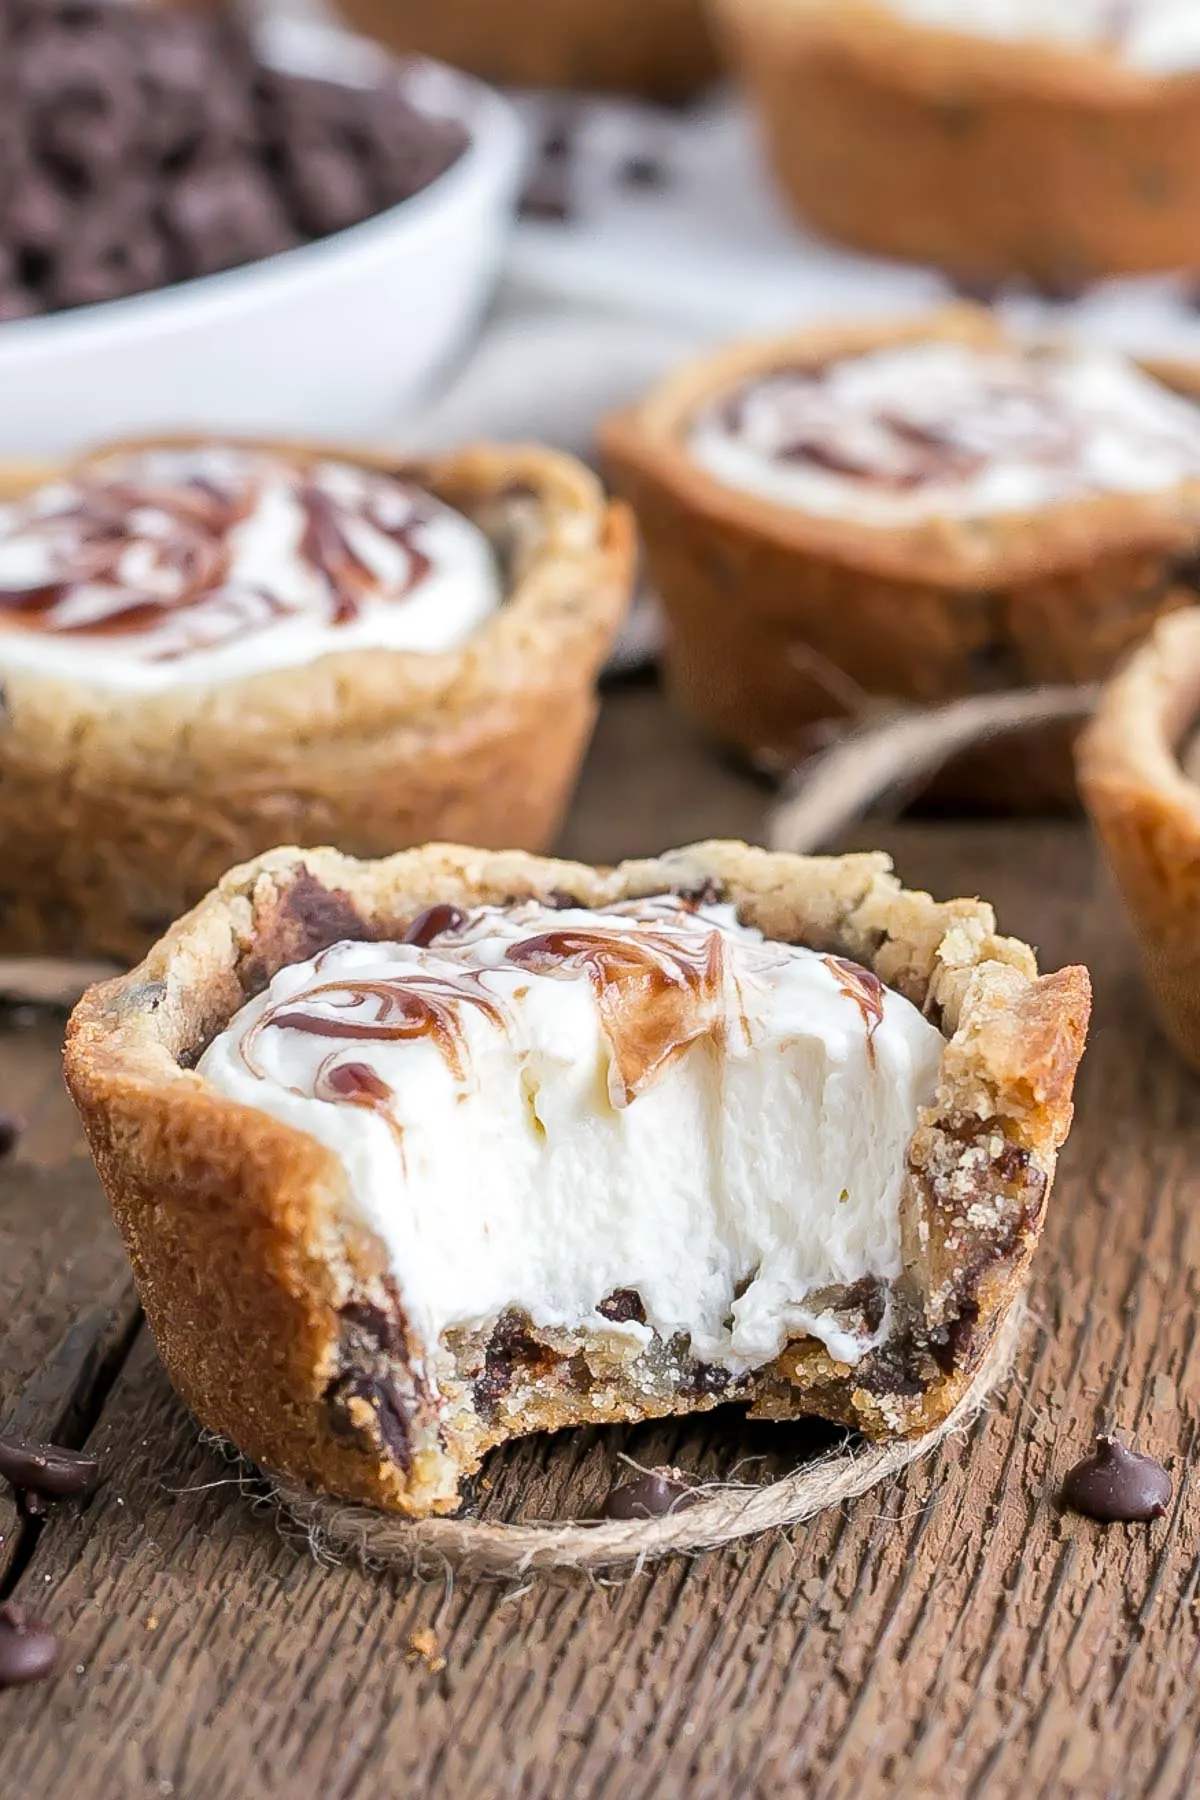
205 224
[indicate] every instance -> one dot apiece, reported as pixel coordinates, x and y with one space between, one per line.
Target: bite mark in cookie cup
207 647
909 512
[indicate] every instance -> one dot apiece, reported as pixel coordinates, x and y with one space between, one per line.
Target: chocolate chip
708 890
546 199
392 1410
432 923
622 1305
643 171
1117 1485
982 290
47 1469
28 1649
11 1127
16 302
707 1378
328 188
650 1496
224 214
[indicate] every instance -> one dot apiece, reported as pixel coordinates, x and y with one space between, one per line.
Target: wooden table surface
952 1633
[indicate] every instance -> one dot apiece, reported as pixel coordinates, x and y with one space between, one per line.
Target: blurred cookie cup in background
1139 772
1060 140
207 647
909 513
660 49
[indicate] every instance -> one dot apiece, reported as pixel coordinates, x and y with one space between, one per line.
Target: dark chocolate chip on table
643 171
29 1650
649 1496
546 198
47 1470
1116 1484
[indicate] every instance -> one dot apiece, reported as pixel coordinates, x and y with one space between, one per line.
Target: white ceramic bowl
336 337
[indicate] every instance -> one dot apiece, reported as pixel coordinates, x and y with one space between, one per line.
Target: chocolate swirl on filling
949 415
384 1012
147 546
657 993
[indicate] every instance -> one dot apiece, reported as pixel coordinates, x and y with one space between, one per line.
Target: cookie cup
1140 778
119 810
988 158
780 620
274 1307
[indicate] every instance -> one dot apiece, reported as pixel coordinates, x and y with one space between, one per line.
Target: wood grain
952 1634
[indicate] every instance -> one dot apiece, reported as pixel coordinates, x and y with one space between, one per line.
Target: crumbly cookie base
275 1310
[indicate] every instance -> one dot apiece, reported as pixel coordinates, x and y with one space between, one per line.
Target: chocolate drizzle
941 414
432 923
656 993
395 1010
865 989
146 548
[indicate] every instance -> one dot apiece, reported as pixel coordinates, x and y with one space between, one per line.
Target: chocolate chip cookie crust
273 1309
662 49
1138 773
780 619
118 811
988 158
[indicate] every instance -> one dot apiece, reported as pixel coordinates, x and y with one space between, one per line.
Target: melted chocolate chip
622 1305
46 1470
707 1378
11 1127
510 1352
392 1411
707 891
650 1496
308 918
383 1329
432 923
28 1649
1116 1485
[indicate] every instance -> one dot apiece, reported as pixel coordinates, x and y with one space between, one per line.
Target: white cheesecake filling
155 568
1160 36
933 429
542 1108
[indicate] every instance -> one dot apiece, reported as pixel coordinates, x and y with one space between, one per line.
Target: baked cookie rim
922 56
648 439
568 601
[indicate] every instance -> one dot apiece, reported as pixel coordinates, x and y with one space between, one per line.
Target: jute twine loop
721 1514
